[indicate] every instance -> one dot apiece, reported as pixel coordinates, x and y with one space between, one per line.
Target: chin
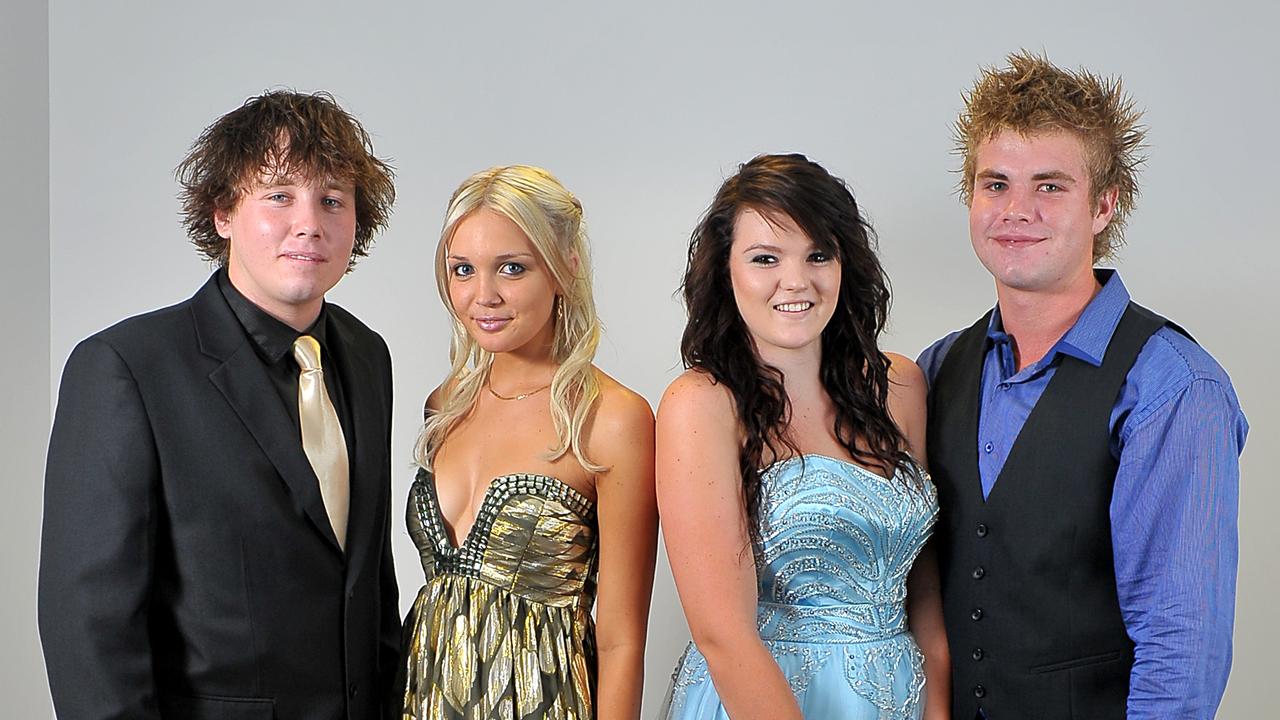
302 296
789 343
493 344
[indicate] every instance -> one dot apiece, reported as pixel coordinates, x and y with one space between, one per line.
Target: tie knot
306 350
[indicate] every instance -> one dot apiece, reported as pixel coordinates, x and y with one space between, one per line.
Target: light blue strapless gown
837 542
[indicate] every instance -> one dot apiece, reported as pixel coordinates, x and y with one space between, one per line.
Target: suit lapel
242 379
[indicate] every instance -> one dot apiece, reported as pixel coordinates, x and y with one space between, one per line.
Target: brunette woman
794 508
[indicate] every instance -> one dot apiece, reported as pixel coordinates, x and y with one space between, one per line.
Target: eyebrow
500 258
1053 175
296 180
762 246
1047 175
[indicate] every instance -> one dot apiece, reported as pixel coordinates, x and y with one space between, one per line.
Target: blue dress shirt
1176 431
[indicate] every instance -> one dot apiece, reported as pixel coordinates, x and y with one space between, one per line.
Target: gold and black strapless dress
502 628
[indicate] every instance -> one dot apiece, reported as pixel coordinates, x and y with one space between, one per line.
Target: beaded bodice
837 542
534 536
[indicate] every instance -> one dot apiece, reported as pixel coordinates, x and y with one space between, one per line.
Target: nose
306 220
487 292
794 276
1019 205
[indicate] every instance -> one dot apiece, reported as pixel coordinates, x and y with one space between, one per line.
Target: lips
303 257
793 307
491 324
1017 239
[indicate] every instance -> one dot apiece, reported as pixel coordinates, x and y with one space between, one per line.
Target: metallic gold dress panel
502 628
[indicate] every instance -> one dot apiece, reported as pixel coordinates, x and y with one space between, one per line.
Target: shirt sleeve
1173 527
930 360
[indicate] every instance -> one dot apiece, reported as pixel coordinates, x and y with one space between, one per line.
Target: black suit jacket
188 568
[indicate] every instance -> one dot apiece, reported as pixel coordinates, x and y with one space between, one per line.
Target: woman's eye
763 260
819 257
462 270
332 202
511 268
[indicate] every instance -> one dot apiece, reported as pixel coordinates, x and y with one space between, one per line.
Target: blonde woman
535 494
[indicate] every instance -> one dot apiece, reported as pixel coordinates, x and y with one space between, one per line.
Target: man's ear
222 223
1104 208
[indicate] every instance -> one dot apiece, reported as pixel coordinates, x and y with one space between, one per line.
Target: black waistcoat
1028 581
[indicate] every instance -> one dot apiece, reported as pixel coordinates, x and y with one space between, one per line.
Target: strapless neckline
841 462
502 626
836 543
501 489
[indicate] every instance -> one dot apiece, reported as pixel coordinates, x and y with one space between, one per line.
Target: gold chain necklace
521 396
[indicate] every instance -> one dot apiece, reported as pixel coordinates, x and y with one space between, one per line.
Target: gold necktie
322 437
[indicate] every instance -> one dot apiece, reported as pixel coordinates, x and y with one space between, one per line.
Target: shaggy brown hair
277 135
1031 96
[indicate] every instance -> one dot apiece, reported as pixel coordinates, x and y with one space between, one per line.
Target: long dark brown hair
853 371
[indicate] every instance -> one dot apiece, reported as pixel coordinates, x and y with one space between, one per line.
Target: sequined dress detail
837 542
502 628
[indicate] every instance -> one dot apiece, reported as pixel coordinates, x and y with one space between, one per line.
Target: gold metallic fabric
502 628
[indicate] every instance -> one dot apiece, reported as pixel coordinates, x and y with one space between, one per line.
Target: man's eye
332 202
763 260
277 197
996 186
511 268
1050 187
462 270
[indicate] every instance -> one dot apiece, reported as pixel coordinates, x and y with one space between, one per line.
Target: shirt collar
1088 339
271 338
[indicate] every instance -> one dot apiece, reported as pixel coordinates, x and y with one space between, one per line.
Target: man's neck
1037 320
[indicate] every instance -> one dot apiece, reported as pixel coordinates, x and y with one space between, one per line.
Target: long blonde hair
551 217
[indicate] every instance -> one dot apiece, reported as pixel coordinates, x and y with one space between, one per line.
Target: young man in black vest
1085 449
216 538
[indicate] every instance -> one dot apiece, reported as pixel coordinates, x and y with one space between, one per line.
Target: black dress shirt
273 342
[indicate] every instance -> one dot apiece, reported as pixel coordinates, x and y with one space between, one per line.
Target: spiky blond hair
1032 95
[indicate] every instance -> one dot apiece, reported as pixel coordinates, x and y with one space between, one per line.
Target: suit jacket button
982 530
978 654
352 690
978 572
979 691
976 615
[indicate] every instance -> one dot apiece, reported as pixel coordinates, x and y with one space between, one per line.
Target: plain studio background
641 111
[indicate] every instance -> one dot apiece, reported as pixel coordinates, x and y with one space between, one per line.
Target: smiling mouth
795 307
491 324
1017 240
302 257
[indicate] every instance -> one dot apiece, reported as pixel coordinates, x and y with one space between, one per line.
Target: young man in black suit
216 526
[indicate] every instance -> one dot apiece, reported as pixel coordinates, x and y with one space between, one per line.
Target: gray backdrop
641 111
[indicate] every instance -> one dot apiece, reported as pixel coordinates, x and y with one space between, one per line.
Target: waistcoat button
978 572
976 615
982 530
979 691
978 654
